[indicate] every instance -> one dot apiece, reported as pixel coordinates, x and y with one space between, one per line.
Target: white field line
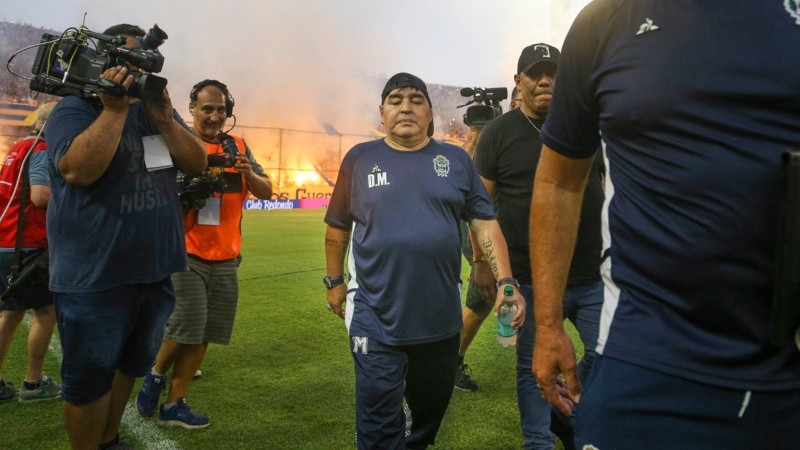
145 431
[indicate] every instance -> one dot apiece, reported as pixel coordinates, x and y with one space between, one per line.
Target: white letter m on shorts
360 345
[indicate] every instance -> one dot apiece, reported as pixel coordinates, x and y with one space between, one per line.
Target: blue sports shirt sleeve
574 103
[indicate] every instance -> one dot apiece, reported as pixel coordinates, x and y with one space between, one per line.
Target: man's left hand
243 166
160 114
519 300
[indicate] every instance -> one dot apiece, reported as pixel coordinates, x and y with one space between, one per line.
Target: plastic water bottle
506 334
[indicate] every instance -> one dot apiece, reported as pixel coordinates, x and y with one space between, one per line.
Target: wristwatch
332 282
505 281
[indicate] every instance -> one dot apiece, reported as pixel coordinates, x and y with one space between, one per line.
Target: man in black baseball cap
507 156
535 78
536 54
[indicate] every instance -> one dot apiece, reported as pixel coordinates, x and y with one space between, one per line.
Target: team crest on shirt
793 8
9 159
441 165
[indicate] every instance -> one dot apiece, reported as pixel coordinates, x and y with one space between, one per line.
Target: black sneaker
463 380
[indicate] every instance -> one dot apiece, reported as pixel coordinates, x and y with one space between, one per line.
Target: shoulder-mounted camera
66 65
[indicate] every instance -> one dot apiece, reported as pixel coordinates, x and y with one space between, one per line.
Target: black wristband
332 282
505 281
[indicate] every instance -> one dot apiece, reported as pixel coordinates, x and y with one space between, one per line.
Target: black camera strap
23 199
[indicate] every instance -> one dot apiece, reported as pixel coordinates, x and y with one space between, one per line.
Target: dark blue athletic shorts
102 332
625 406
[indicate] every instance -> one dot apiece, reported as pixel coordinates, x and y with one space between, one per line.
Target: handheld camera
193 192
66 65
489 107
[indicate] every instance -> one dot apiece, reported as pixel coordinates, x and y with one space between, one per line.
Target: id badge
209 214
156 154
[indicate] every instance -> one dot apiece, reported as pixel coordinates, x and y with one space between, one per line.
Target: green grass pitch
286 379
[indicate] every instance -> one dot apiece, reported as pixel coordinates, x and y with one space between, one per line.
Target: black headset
228 97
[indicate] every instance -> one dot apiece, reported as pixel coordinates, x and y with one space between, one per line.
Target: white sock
153 372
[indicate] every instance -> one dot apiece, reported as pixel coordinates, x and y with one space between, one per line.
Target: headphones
228 97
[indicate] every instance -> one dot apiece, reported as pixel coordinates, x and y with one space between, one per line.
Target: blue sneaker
180 415
147 399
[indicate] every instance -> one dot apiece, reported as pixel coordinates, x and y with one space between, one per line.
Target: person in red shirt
36 385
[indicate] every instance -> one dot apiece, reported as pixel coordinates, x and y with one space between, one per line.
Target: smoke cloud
317 64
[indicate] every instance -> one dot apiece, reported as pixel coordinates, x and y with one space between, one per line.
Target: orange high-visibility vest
223 241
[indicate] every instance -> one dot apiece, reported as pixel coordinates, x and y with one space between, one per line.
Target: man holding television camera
115 232
206 294
506 157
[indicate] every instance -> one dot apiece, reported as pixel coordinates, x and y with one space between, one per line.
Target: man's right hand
118 75
336 299
554 355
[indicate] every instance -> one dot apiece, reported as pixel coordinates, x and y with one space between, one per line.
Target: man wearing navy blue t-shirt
696 106
397 206
115 232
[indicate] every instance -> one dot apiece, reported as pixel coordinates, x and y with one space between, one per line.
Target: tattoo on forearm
338 243
491 258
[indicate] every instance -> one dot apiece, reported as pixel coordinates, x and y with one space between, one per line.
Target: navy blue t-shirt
126 227
695 104
404 209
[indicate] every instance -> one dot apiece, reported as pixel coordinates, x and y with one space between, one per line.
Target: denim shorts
101 332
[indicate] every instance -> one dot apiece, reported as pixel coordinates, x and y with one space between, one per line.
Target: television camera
489 107
66 65
193 192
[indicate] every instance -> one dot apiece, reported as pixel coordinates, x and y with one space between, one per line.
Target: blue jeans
582 305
